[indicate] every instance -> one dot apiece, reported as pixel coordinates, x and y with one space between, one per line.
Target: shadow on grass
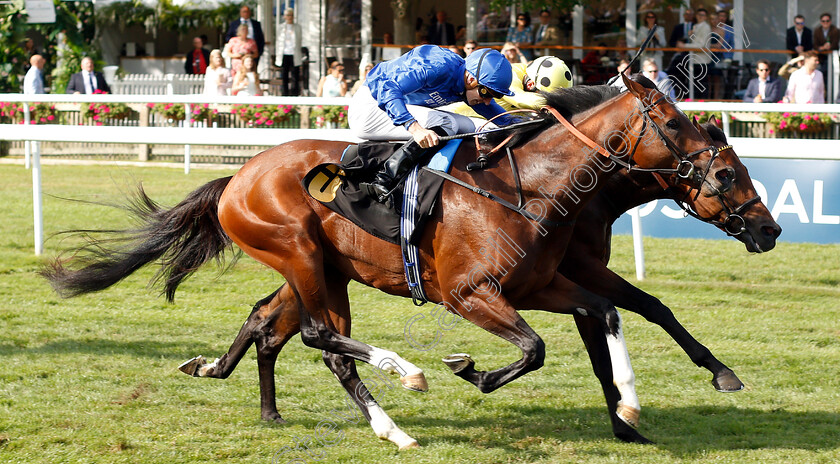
680 431
106 347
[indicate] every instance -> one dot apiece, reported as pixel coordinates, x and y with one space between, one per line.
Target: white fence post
724 116
638 246
187 115
38 226
27 145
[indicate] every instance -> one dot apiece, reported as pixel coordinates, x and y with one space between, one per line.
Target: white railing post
638 246
38 225
187 116
27 145
724 116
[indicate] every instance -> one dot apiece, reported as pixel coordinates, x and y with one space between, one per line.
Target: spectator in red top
198 58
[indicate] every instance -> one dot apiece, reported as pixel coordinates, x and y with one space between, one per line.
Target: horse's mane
568 102
715 132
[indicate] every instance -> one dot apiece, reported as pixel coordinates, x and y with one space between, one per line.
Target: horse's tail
182 238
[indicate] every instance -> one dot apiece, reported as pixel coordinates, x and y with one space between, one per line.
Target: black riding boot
403 160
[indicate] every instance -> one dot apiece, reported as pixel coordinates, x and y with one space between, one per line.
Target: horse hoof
727 382
190 367
632 436
413 444
458 362
628 414
274 417
415 382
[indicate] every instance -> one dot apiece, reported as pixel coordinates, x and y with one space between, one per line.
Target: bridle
734 223
685 170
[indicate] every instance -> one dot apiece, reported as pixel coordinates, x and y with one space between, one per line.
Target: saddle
337 186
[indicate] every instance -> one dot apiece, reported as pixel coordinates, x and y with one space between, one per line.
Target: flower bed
263 115
327 116
39 113
177 112
803 123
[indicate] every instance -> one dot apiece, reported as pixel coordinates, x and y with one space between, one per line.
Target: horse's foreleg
564 296
592 333
599 279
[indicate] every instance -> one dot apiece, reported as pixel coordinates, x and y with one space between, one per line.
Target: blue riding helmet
491 69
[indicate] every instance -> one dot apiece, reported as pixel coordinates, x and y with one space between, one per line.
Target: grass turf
94 379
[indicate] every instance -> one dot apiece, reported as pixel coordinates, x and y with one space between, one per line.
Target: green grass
94 379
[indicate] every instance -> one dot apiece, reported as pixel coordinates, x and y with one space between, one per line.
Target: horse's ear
634 87
702 130
714 120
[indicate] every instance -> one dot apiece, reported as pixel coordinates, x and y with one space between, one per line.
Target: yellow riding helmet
547 73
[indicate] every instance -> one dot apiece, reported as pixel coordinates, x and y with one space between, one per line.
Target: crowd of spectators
233 69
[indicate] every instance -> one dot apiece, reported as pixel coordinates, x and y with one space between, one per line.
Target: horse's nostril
770 231
724 176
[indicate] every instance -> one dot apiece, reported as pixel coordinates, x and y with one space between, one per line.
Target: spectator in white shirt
33 83
289 54
806 85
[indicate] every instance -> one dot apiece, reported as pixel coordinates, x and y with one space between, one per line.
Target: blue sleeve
749 95
775 91
493 109
392 93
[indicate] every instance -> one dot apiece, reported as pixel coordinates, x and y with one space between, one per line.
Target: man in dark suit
799 38
198 58
254 29
765 88
442 32
87 81
681 31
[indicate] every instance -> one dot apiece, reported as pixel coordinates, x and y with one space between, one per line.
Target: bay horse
275 319
264 211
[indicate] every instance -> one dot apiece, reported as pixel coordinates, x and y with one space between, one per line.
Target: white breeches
369 122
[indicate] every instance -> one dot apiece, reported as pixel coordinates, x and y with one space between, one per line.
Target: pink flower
98 123
785 114
192 120
286 110
772 131
782 124
95 117
206 105
50 117
258 114
32 121
197 112
215 111
150 105
106 109
803 126
43 120
269 122
340 115
167 106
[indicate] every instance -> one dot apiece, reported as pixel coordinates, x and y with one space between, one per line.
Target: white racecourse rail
747 147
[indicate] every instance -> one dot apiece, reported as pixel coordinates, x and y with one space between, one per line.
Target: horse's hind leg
222 367
273 321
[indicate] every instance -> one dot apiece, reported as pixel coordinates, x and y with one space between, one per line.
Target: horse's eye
673 124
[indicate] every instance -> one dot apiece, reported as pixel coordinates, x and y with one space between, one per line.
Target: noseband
734 223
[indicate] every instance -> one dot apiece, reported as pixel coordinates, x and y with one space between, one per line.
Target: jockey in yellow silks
546 73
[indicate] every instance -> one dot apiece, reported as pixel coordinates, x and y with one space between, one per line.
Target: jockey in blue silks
399 96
